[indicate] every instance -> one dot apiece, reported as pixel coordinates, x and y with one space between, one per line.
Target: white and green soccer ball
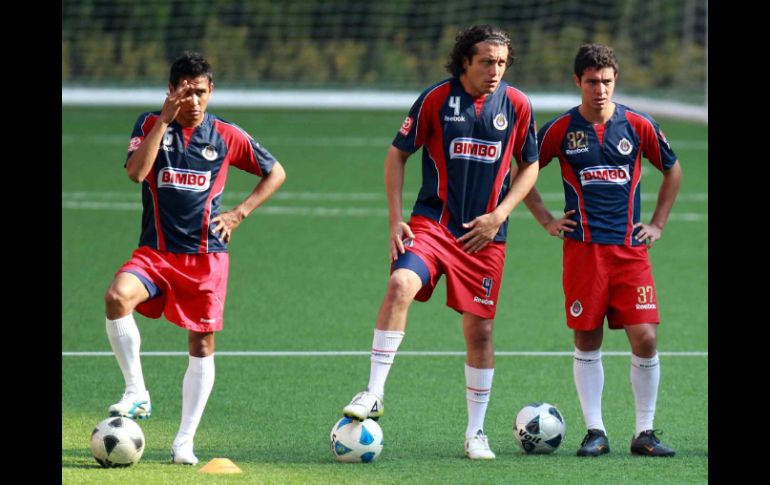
354 441
539 428
117 442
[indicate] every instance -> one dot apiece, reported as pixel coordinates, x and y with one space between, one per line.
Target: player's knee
479 335
401 289
201 344
588 341
116 300
645 344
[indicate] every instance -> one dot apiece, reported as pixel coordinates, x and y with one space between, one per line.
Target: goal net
391 45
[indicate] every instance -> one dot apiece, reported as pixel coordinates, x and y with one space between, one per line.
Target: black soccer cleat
594 444
647 444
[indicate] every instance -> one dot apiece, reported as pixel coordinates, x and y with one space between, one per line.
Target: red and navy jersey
467 147
601 169
183 191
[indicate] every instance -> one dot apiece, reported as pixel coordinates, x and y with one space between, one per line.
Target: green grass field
308 273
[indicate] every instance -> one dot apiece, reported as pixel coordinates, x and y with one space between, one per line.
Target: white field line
345 353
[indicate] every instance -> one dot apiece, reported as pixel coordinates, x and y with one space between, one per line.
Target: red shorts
607 280
473 280
189 289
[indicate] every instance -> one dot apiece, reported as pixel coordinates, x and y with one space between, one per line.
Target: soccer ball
539 428
117 442
354 441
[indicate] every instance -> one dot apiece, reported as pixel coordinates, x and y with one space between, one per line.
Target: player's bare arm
140 163
553 226
223 225
484 228
669 188
395 160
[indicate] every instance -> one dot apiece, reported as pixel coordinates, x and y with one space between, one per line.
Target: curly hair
596 56
190 64
465 46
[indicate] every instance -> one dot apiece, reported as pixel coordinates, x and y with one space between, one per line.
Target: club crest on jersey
184 179
209 153
500 122
576 309
605 175
625 146
134 143
475 149
406 126
168 139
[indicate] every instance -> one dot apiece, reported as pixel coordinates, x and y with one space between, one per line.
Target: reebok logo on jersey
605 175
475 149
406 126
184 179
574 151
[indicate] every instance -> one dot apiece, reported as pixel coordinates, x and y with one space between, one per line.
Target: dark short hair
597 56
190 64
465 46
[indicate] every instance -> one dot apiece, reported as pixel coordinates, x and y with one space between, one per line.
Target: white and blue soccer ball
117 442
539 428
354 441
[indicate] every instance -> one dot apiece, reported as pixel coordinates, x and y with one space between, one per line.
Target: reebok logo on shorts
483 301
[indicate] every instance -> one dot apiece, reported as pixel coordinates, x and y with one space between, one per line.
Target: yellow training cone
220 465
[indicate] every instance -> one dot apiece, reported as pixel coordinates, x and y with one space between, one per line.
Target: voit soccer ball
354 441
539 428
117 442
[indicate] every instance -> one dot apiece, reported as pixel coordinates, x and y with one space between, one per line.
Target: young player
181 155
607 273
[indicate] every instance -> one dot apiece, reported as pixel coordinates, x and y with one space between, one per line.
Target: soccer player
181 155
469 126
606 268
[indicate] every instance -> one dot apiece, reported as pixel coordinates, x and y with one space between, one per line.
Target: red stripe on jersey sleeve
523 118
550 145
239 152
428 119
648 139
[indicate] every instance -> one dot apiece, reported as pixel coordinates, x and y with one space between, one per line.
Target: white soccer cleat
182 453
134 405
477 447
364 405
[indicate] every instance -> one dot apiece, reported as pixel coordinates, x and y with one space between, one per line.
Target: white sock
125 340
478 384
589 381
196 387
384 346
645 376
